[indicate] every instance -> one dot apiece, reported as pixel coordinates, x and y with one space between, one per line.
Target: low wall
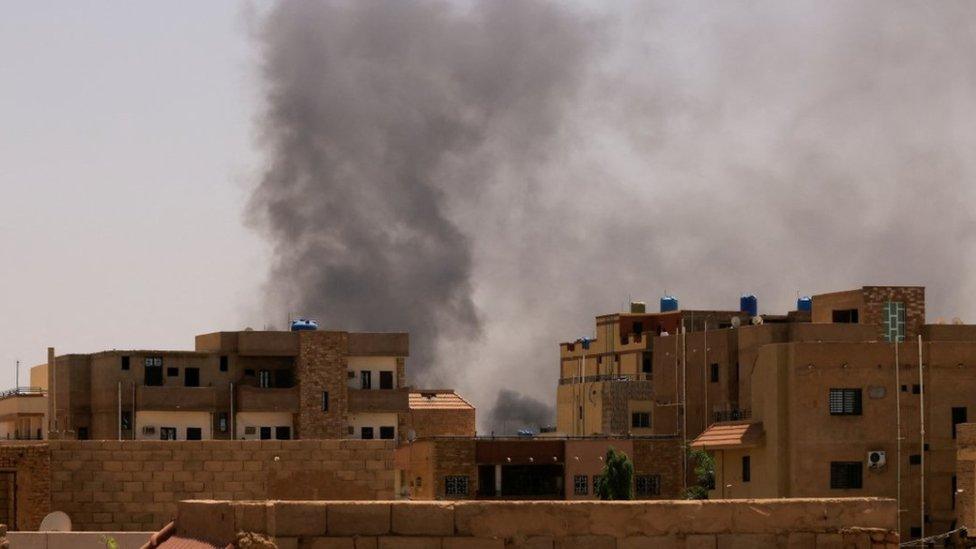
76 540
135 485
857 522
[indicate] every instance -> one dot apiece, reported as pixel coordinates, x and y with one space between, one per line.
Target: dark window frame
637 420
846 475
197 433
172 371
224 363
191 377
746 468
325 401
363 431
387 432
845 401
456 485
386 379
365 379
126 363
714 372
647 486
581 485
958 417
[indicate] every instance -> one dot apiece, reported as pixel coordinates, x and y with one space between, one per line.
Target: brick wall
454 457
438 423
322 367
849 522
134 485
31 464
616 399
663 458
913 298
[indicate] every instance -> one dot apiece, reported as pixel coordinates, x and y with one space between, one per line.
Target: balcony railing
175 398
22 391
257 399
607 377
379 400
732 415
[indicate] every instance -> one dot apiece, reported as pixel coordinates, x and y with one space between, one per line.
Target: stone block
472 543
645 542
531 542
299 518
423 518
586 542
405 542
745 541
830 541
700 541
356 518
802 540
331 543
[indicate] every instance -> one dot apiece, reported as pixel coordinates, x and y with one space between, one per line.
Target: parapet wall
848 522
135 485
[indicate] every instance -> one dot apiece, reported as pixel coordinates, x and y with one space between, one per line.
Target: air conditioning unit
877 459
149 430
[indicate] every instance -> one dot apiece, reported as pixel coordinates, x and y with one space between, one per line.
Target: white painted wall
180 420
358 421
261 419
374 364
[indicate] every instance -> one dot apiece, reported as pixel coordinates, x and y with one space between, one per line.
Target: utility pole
17 378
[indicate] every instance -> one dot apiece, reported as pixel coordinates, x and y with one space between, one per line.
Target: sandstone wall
31 465
850 522
134 485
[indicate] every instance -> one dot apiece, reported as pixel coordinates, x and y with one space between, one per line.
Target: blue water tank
669 303
749 304
302 324
804 303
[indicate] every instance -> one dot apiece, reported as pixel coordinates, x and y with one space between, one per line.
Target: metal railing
22 391
733 415
607 377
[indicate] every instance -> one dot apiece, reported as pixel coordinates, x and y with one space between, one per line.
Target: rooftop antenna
17 377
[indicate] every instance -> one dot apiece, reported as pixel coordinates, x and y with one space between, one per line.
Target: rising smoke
488 176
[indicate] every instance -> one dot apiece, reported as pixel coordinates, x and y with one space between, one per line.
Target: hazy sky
125 150
517 167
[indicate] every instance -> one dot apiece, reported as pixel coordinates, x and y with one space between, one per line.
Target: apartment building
248 385
23 409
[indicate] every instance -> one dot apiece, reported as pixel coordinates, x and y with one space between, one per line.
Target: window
387 433
250 430
191 377
915 459
264 379
904 388
167 433
125 422
845 402
249 371
366 433
82 433
222 422
172 372
845 475
194 433
125 363
265 433
154 371
580 485
638 328
647 485
714 373
596 484
581 412
916 389
958 416
283 378
325 401
456 485
640 420
386 380
845 316
647 363
893 320
746 468
283 433
915 532
366 379
224 362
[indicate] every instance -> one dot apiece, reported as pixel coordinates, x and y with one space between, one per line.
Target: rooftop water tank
749 304
669 303
638 307
302 324
804 303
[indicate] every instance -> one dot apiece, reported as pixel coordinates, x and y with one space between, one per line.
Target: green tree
704 472
617 480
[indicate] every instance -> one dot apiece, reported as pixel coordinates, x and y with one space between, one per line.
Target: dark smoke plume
513 411
491 175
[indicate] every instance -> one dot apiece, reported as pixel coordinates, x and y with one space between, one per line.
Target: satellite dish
757 321
736 322
57 521
956 320
411 435
940 320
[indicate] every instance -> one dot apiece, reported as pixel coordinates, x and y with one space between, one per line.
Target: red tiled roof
438 400
731 434
167 539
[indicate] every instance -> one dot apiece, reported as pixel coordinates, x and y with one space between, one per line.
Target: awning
730 435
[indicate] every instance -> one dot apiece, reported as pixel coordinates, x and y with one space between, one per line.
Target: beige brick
300 519
472 543
403 542
353 518
531 542
657 542
421 518
332 543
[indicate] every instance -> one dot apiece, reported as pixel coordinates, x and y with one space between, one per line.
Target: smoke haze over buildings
489 176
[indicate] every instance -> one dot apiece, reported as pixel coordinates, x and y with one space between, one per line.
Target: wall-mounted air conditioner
877 459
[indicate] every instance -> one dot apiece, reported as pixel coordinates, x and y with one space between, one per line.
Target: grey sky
125 147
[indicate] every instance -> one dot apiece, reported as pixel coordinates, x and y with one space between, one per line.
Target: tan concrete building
248 385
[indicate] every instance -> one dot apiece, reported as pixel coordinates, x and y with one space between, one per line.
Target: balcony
379 400
607 377
175 398
257 399
732 415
